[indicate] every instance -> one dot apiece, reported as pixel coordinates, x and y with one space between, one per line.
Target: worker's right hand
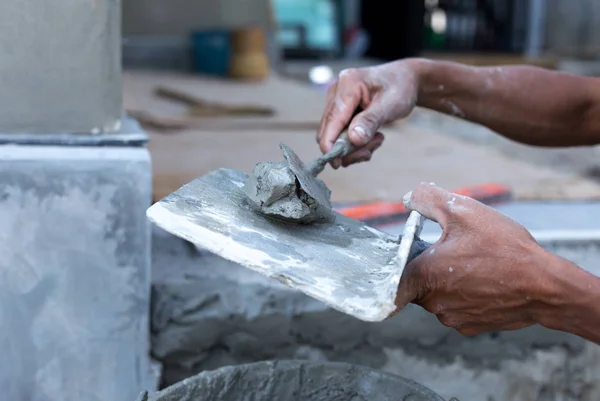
385 93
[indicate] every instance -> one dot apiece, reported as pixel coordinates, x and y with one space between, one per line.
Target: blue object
211 52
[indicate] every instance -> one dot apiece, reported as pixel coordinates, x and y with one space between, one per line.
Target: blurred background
109 106
280 56
160 35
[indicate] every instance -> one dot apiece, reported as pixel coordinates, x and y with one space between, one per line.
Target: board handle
411 245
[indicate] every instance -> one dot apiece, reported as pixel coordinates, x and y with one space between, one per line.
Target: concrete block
61 66
208 313
74 272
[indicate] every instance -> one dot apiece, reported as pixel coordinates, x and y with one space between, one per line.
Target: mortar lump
273 190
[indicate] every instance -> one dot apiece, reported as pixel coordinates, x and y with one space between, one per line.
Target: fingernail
362 134
407 200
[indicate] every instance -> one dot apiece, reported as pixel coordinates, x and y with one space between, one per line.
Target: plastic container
211 52
296 381
249 59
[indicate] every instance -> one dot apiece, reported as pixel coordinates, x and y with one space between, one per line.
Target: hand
385 93
486 273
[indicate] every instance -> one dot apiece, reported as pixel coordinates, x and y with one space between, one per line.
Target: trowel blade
347 265
314 187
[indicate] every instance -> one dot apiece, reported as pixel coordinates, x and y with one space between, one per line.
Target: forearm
571 300
526 104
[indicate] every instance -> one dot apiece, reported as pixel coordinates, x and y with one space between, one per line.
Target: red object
384 212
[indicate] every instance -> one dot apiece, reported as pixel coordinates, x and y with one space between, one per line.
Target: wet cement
275 191
296 380
290 192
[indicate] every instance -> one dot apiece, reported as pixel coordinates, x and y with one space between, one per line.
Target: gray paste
273 190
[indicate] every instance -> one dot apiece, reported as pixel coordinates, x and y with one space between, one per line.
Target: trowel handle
418 247
341 147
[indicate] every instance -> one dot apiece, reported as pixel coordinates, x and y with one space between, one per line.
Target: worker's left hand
486 272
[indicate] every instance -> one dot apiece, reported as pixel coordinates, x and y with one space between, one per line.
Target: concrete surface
130 134
74 271
61 66
208 313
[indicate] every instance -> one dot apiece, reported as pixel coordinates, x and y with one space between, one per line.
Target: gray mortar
296 380
208 313
273 190
287 191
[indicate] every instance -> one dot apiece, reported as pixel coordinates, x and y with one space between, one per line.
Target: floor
426 147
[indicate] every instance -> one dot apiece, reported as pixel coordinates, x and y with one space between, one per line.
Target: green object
436 40
316 16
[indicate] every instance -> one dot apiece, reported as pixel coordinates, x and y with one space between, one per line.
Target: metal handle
341 147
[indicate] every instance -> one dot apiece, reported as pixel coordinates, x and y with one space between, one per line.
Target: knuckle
350 97
422 189
349 73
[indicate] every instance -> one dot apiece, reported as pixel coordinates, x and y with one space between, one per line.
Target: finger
331 92
436 203
365 153
364 125
343 105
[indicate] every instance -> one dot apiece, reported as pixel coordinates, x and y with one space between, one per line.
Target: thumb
433 202
364 125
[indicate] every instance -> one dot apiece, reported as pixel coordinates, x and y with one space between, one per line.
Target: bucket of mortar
296 381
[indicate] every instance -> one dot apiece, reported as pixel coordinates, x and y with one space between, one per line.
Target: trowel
290 191
340 261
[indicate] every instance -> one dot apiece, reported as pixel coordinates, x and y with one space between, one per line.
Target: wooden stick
165 124
200 107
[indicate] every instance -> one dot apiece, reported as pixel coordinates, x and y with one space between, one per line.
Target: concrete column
75 181
60 66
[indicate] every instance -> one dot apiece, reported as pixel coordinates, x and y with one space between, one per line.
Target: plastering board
345 264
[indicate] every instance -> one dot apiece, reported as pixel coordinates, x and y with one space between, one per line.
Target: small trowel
289 190
342 262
